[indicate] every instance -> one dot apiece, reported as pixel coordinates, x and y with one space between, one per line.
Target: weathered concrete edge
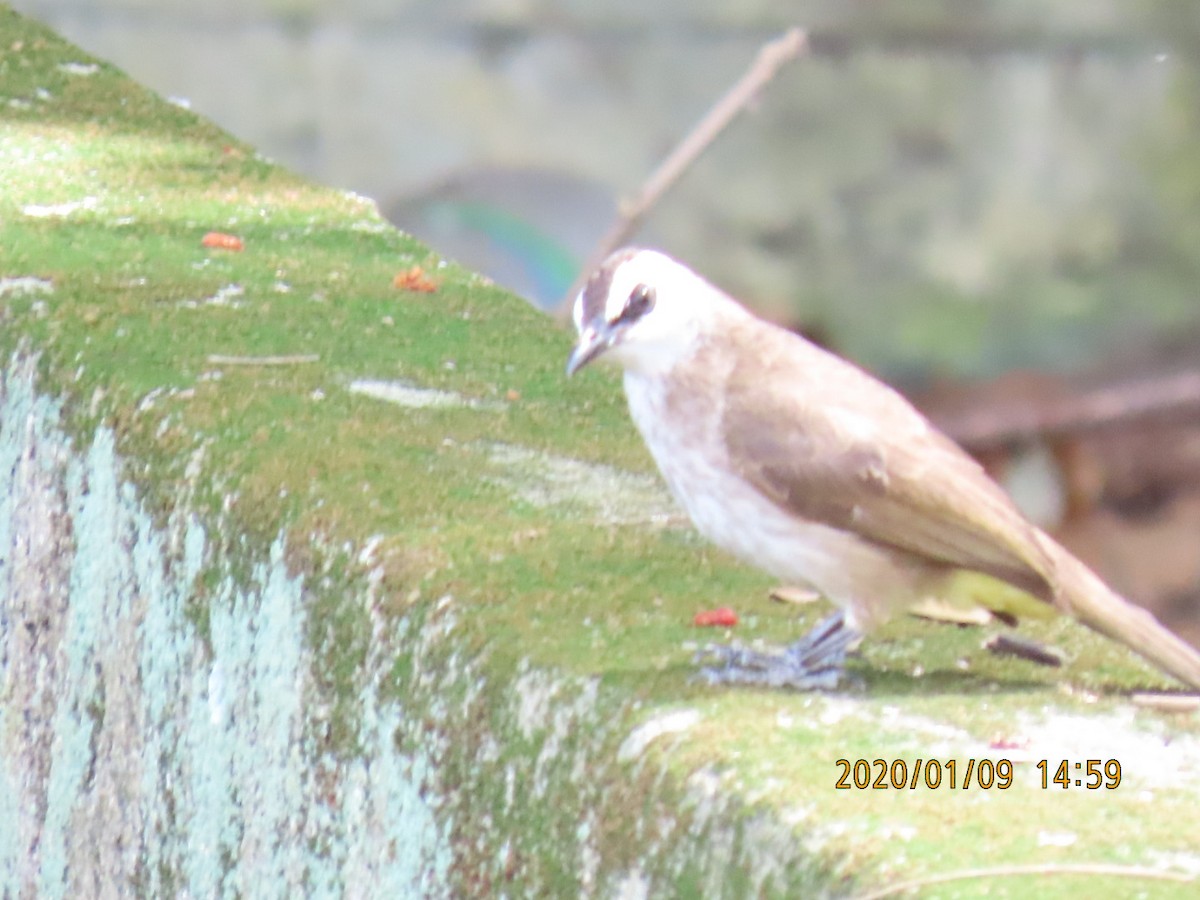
150 747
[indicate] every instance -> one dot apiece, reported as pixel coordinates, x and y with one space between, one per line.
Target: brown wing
826 441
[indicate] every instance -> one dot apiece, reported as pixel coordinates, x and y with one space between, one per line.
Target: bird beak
592 342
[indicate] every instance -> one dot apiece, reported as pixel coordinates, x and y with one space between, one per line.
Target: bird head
640 308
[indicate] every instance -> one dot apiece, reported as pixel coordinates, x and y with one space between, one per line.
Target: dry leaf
940 611
796 595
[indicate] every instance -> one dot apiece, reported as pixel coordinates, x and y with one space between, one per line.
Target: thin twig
631 211
1092 869
1169 703
1023 648
218 359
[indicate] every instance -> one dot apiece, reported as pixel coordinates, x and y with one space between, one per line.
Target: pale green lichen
180 764
603 493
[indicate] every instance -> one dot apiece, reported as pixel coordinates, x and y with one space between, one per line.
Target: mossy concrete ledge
315 584
155 746
300 629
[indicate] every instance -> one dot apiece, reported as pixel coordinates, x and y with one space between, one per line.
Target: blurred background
993 203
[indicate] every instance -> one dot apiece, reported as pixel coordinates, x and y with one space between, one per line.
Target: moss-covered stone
289 633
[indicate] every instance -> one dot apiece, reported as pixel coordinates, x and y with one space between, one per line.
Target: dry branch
631 211
1176 396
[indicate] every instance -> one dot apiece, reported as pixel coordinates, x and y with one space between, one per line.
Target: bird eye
640 302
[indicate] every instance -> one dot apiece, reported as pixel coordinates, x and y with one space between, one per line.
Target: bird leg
814 662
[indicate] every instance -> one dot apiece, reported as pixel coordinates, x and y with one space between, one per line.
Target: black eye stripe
640 302
594 296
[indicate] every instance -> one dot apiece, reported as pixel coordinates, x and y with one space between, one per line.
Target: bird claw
814 662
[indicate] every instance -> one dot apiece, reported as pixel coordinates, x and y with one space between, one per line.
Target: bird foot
814 662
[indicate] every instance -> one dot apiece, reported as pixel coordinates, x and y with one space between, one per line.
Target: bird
803 465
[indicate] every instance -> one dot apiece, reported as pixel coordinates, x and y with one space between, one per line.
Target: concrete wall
927 161
144 746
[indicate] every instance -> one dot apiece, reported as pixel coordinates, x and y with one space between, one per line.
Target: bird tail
1082 594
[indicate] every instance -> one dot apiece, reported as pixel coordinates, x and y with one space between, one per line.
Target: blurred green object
528 229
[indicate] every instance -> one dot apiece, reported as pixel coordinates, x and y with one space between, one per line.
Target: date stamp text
972 773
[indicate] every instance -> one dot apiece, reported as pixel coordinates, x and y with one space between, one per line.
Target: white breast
733 515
